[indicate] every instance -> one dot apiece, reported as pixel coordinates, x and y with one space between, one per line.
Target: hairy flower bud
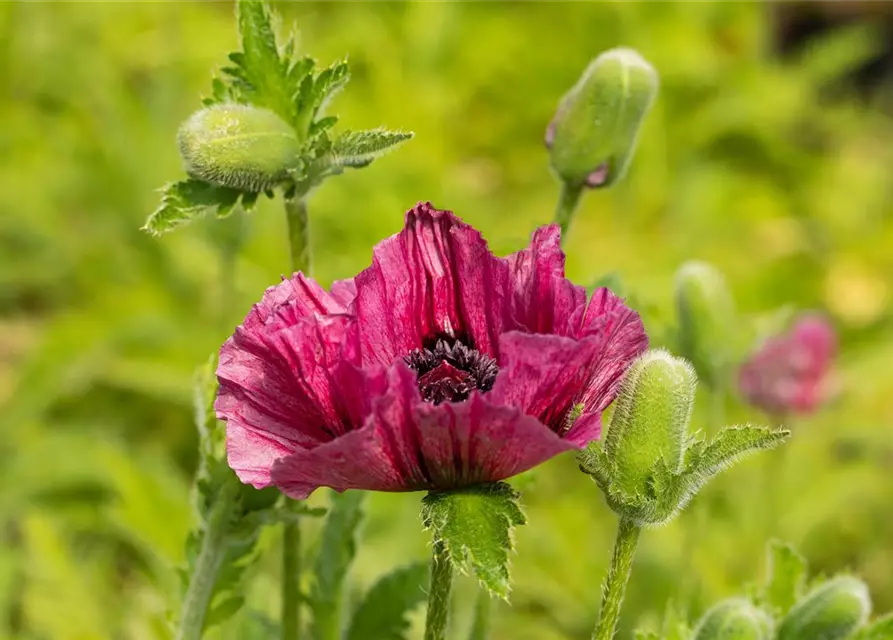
650 421
831 611
706 314
734 619
238 146
593 135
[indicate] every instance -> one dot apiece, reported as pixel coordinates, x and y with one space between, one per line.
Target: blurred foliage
771 169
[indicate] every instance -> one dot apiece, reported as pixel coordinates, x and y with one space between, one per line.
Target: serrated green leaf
359 148
183 201
787 576
475 526
336 553
262 68
880 629
729 446
224 611
382 614
315 93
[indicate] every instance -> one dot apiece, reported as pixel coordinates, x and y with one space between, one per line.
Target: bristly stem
299 250
298 233
568 200
439 593
207 564
618 576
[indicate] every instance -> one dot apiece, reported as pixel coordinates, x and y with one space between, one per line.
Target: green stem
568 200
291 579
439 593
207 564
480 628
298 233
696 522
618 576
299 250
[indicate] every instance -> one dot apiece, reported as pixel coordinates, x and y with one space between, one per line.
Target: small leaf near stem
618 576
568 200
439 593
207 565
383 612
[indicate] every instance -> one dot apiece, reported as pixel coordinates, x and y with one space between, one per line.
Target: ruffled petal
622 336
436 278
542 299
291 389
410 445
545 376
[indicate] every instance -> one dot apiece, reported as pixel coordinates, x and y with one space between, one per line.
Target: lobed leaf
382 614
183 201
359 148
475 526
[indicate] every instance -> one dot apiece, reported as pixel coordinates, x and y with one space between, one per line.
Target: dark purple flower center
451 370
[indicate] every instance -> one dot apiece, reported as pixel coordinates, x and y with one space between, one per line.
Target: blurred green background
775 168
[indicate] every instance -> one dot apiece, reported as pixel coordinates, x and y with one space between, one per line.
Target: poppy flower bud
593 135
238 146
650 421
831 611
734 619
706 314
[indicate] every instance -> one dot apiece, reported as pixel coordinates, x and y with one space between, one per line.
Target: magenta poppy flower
439 366
789 373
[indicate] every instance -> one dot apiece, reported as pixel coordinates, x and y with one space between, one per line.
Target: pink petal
543 300
435 278
410 445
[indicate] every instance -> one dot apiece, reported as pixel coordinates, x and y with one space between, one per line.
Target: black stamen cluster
478 368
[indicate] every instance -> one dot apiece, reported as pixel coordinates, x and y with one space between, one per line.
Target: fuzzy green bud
734 619
706 313
593 135
650 421
831 611
238 146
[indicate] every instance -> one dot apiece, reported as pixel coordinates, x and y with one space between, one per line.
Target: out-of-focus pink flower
439 366
789 373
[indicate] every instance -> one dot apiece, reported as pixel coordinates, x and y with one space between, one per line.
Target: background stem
299 250
618 576
439 593
480 626
568 200
207 564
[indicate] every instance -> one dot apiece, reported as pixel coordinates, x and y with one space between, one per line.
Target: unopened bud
831 611
706 313
593 134
238 146
734 619
650 420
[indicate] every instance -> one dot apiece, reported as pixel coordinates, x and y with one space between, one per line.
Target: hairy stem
568 200
299 250
207 564
298 233
439 593
618 576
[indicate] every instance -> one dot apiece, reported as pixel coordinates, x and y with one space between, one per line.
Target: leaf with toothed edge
475 525
383 613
